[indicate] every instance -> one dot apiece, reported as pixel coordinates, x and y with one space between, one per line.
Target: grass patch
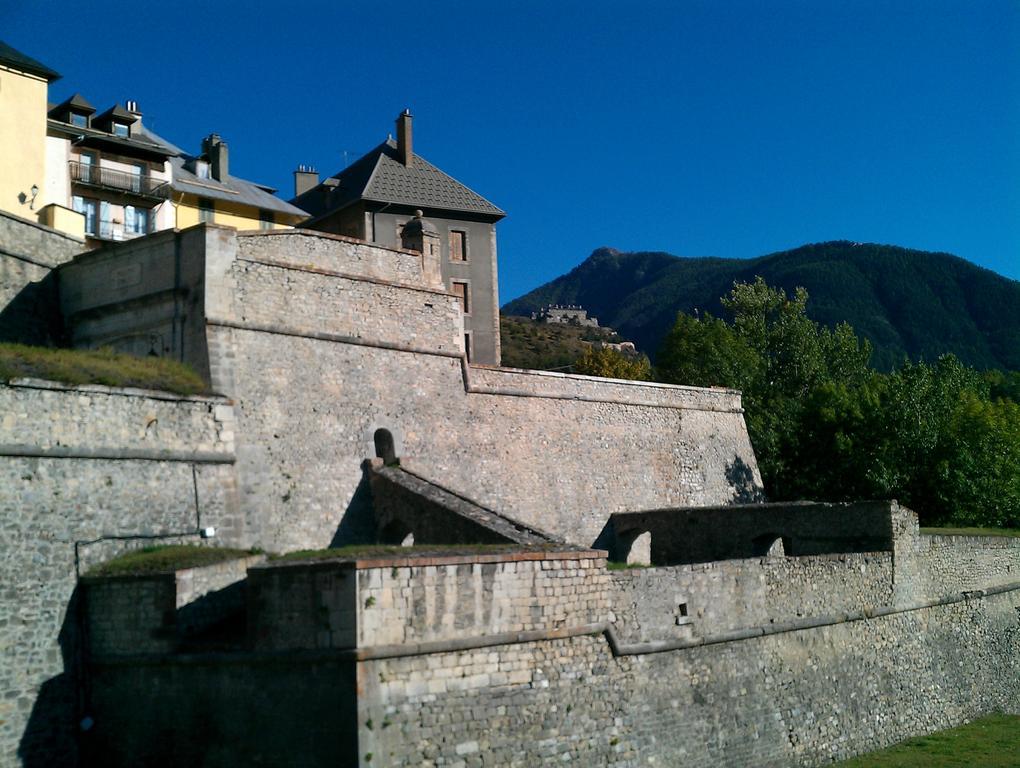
102 366
165 559
617 566
1007 532
367 551
991 742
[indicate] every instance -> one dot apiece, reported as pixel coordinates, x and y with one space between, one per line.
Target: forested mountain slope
909 303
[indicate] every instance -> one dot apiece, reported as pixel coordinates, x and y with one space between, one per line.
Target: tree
609 363
706 353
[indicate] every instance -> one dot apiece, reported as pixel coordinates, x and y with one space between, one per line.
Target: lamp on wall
35 191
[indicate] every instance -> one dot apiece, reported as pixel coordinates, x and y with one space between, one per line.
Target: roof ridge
375 166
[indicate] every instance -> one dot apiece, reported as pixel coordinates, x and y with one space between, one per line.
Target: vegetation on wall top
77 367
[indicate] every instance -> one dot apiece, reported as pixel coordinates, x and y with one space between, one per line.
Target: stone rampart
29 251
530 659
706 599
86 472
322 341
964 563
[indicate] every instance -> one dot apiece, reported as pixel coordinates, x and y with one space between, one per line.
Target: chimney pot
305 178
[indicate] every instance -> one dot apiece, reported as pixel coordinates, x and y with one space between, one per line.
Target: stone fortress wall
84 473
536 658
319 342
356 330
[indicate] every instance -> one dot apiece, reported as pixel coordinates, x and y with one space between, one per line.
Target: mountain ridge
909 303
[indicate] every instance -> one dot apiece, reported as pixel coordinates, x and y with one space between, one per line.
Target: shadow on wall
740 476
33 315
49 738
357 526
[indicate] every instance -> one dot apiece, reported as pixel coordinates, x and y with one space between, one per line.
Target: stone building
374 197
566 315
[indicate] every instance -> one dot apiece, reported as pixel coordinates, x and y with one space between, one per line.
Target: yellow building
24 86
106 177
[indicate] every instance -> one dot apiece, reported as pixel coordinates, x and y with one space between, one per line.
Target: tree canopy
941 438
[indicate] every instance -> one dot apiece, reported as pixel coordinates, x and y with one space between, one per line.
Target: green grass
365 551
75 366
1007 532
165 559
991 742
616 566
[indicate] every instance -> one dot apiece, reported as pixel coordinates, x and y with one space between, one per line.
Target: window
202 169
89 208
137 174
87 161
265 219
460 290
206 212
121 129
467 346
458 245
81 121
136 220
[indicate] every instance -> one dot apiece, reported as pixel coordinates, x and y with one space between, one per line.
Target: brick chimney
305 178
405 145
215 149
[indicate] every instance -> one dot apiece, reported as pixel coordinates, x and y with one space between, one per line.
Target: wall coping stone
102 389
988 541
411 561
629 382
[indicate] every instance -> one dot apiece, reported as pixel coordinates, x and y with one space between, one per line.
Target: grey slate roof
137 145
16 59
231 189
380 176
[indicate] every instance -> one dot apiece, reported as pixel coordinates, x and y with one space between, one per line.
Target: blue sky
701 128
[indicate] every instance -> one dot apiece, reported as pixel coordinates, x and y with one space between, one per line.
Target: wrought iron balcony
109 230
132 183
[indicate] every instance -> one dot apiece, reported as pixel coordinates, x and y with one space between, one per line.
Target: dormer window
202 169
79 120
121 129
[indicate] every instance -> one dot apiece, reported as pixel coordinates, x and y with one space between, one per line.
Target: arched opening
396 533
771 545
634 547
384 447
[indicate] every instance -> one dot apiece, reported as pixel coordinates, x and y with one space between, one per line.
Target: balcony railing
108 230
106 178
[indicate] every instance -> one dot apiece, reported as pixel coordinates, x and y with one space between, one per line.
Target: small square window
458 245
121 129
81 121
460 290
206 212
265 219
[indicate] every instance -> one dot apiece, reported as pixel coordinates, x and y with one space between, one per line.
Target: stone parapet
411 600
337 253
